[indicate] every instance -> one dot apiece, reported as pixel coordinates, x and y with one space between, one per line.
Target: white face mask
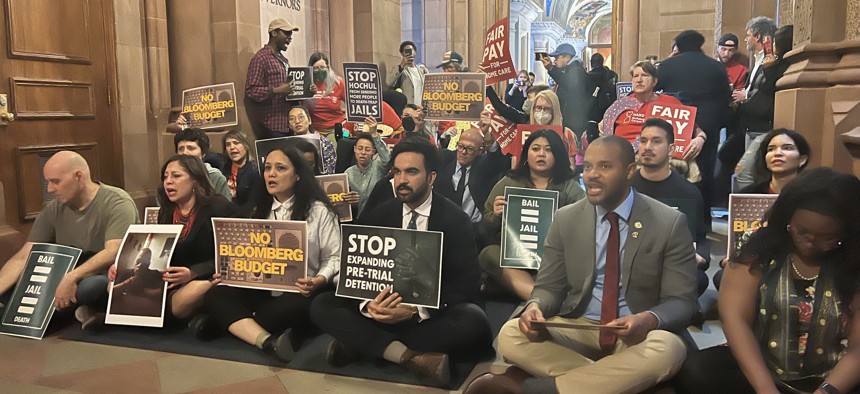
543 118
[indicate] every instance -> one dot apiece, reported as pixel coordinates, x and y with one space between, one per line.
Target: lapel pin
637 224
635 234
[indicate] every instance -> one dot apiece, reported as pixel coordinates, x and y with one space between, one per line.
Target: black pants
707 161
712 370
461 331
227 305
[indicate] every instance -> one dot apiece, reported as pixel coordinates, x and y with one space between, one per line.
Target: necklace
796 272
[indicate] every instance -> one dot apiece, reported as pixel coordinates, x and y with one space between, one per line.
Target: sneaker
338 354
89 319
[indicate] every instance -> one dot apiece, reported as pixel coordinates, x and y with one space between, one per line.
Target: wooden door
56 68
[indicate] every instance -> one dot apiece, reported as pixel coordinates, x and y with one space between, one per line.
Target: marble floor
53 365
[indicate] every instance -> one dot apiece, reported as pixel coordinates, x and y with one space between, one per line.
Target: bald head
68 176
470 146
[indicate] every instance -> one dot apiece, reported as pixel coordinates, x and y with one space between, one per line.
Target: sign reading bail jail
525 225
32 303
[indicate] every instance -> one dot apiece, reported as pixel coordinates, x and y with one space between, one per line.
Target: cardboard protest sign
497 63
261 254
210 106
746 215
623 89
514 141
525 224
138 294
453 96
363 91
375 257
302 81
150 215
683 120
32 303
336 186
264 147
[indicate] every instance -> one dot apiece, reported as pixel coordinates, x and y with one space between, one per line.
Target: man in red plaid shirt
267 84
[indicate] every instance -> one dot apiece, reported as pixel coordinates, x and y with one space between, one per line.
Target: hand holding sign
531 315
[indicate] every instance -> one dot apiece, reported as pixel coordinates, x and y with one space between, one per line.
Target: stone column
341 33
522 14
626 42
377 32
819 95
546 36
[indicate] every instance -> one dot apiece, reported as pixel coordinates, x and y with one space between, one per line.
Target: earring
839 243
787 227
298 178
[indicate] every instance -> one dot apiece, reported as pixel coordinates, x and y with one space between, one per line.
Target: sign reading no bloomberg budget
211 106
454 96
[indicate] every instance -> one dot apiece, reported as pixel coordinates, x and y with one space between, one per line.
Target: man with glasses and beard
418 338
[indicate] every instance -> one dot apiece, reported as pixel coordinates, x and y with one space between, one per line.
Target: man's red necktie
609 307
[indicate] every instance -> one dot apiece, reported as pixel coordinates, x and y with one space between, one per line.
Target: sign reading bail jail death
363 92
497 61
525 224
210 106
373 258
453 96
301 81
336 186
261 254
746 215
32 303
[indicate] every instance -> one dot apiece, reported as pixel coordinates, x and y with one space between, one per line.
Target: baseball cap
282 24
564 49
451 57
728 40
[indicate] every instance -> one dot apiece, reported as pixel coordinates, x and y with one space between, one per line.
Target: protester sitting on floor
276 324
543 165
418 338
195 142
782 155
241 172
788 298
186 197
329 103
300 124
657 180
371 157
86 215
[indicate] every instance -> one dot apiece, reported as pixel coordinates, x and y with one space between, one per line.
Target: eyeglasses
541 108
363 149
825 241
298 118
467 149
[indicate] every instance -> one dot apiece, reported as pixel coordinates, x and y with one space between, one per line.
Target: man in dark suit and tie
419 338
467 176
618 259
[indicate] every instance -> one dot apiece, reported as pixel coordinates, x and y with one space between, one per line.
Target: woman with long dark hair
780 157
275 324
789 299
544 164
187 197
240 169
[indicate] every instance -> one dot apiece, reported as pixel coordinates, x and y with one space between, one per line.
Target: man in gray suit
619 237
408 76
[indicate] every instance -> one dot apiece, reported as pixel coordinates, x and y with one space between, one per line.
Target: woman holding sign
187 197
626 115
790 302
274 324
544 164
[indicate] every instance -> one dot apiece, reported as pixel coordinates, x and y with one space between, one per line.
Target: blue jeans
92 291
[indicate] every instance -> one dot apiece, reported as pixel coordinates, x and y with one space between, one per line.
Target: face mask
408 124
320 75
527 106
543 118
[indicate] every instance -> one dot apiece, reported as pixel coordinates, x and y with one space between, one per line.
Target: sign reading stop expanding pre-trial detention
363 92
210 106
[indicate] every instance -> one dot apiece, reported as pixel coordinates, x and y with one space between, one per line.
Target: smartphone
408 51
540 55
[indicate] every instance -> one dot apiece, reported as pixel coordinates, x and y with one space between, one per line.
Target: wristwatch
829 388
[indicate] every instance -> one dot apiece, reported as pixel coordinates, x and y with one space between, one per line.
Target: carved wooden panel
61 36
51 99
32 188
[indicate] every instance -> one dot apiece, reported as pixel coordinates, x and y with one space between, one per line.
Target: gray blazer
658 272
395 75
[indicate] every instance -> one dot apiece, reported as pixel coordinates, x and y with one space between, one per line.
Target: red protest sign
505 133
497 61
516 135
683 120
